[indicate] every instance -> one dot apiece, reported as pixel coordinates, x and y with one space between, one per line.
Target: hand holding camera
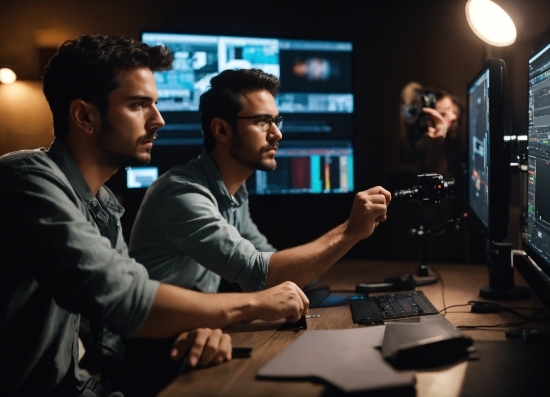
421 118
437 128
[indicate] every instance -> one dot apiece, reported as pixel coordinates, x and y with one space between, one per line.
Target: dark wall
428 41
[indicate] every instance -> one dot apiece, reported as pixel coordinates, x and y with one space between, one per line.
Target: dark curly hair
89 67
224 100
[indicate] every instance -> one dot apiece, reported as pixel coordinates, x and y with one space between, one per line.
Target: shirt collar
216 183
59 153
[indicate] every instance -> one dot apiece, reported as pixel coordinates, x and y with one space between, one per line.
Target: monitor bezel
496 229
535 268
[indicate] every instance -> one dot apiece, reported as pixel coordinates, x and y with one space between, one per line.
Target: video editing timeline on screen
538 190
479 124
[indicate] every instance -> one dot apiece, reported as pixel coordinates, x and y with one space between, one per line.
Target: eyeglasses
265 121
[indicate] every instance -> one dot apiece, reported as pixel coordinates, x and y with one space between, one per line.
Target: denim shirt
189 231
63 256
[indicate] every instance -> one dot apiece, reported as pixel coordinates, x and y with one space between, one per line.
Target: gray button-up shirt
62 255
190 231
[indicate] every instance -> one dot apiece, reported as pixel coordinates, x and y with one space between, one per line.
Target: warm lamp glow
490 22
7 76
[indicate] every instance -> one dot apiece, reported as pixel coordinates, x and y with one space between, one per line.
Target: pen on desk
312 315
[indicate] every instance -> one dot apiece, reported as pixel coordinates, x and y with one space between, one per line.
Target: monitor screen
315 99
488 152
140 177
537 236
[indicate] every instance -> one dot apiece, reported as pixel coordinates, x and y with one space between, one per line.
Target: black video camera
417 121
429 189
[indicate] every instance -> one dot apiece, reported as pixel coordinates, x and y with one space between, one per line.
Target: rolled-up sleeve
68 256
180 234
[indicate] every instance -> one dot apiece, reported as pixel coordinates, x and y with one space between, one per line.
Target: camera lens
430 189
406 195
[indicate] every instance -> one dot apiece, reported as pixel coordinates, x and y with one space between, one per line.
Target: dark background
428 41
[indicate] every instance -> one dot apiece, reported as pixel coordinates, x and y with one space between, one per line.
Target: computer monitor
489 176
141 177
537 236
316 101
488 152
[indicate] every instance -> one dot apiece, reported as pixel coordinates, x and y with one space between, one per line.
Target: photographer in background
433 141
431 136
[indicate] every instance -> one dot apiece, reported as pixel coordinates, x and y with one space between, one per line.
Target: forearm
307 262
176 310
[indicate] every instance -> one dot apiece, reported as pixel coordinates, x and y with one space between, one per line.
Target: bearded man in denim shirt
61 241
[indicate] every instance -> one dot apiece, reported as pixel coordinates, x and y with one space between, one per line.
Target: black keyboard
375 309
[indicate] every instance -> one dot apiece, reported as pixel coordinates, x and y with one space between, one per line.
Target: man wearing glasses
194 225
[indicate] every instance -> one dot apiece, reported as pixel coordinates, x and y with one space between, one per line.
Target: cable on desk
442 290
501 325
512 311
500 308
449 307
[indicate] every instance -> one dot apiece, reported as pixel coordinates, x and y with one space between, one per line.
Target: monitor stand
501 274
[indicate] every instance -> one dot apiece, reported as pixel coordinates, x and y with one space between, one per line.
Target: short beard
253 165
118 159
134 161
267 167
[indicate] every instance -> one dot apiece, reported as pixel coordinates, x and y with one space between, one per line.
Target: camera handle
423 234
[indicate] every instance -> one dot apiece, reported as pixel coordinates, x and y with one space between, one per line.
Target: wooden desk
461 283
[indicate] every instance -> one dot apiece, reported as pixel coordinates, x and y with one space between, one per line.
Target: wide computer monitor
537 233
488 152
489 176
316 101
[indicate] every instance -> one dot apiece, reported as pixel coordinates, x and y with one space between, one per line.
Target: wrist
246 310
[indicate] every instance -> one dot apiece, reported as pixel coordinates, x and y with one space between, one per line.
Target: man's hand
369 208
284 300
204 346
438 129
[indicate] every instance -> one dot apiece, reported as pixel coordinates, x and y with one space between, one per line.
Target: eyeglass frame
266 118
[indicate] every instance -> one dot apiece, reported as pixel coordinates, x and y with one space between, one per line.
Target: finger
305 301
211 348
434 113
182 344
376 198
377 210
380 218
224 350
296 307
379 190
198 346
